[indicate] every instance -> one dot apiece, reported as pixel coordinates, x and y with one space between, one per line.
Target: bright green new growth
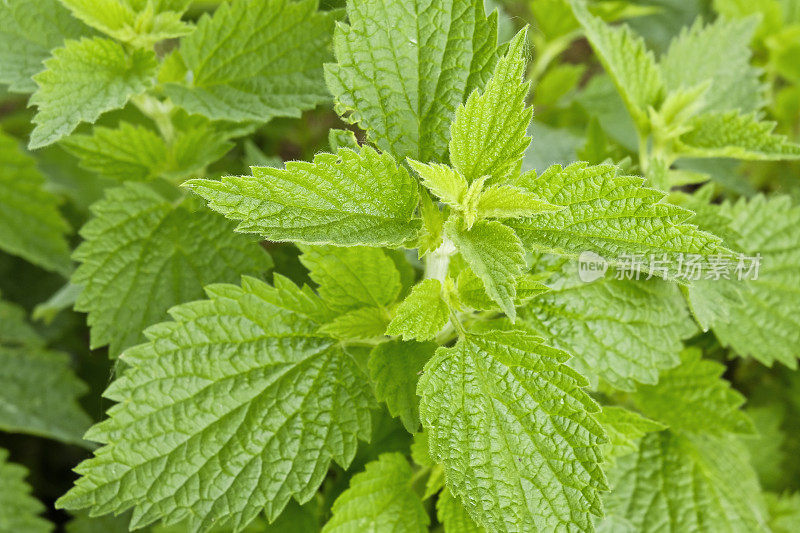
142 23
246 362
508 419
380 499
83 80
19 511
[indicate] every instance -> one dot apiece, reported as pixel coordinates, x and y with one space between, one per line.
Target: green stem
159 112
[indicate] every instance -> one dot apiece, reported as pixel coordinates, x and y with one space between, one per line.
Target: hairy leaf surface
403 67
514 431
230 410
143 254
380 498
255 60
83 80
346 199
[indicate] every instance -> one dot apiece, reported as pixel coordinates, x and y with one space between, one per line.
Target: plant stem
438 261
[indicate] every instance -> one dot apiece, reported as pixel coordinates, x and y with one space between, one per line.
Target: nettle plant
447 366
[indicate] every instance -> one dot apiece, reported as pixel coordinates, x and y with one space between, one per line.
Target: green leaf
677 483
422 314
731 134
488 134
719 52
380 498
142 23
495 254
14 328
766 324
38 388
136 153
255 60
83 80
28 32
246 362
610 215
448 184
620 331
784 512
38 395
694 397
514 431
366 323
472 292
351 278
346 199
453 516
507 201
30 223
624 429
19 510
404 67
624 55
394 369
143 254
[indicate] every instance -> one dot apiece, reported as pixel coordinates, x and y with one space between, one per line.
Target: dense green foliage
399 266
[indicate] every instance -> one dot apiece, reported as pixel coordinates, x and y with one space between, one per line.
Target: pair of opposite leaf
269 343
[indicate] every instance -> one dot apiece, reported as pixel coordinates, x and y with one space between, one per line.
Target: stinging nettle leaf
142 254
677 483
718 52
345 199
613 216
422 314
255 60
495 254
624 55
488 134
19 510
403 67
731 134
142 23
453 516
30 223
694 397
354 277
515 433
380 498
620 331
448 184
83 80
764 322
624 428
28 32
136 153
246 406
394 369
